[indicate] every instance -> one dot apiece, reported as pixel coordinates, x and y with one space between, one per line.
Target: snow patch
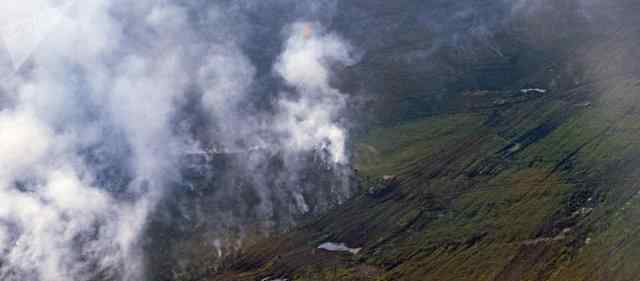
338 247
515 148
533 90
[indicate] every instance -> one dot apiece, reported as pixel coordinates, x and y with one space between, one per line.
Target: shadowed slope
511 160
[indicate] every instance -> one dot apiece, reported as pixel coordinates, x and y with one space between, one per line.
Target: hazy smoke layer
94 123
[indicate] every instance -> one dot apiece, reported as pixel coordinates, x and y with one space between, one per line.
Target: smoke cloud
308 119
96 119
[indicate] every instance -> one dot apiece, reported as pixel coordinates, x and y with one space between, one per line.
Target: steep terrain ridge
510 154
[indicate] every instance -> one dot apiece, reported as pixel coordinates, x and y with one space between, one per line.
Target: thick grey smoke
85 94
89 132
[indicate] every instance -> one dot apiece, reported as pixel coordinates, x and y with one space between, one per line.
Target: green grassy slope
489 183
542 190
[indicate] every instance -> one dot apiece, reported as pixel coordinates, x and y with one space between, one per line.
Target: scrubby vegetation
488 184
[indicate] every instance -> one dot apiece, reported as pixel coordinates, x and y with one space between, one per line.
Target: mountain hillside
502 145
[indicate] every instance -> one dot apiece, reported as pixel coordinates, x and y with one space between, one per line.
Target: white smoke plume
88 133
84 92
309 118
